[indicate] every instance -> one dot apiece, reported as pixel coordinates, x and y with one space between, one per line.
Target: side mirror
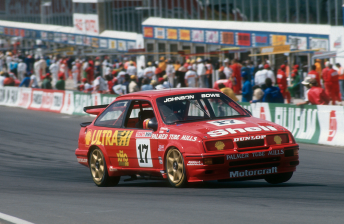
153 124
248 112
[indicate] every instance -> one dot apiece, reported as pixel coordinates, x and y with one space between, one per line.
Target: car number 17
143 151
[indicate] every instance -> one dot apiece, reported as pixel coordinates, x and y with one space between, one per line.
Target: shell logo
88 137
278 139
219 145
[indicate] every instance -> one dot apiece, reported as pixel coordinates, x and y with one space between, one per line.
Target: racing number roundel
143 151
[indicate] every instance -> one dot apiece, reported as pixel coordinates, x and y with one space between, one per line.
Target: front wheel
175 168
99 171
279 178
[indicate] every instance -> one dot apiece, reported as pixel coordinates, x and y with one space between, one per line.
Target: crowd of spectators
255 83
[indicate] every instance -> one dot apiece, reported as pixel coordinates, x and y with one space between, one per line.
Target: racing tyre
175 168
99 171
279 178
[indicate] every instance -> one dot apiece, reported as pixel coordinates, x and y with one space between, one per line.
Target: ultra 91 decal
143 151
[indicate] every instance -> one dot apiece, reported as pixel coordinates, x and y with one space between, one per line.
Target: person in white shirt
33 81
149 71
260 76
75 72
21 69
100 85
131 70
121 77
166 82
104 65
43 65
87 87
9 59
120 89
201 72
84 67
170 72
108 70
54 70
37 70
191 77
269 73
227 70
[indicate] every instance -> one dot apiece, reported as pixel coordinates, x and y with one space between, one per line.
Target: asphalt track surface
41 182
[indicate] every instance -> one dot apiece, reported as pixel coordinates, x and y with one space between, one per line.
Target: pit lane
41 182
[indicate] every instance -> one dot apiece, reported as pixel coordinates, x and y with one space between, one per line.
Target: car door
142 149
111 135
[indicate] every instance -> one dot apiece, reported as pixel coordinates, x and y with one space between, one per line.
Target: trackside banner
313 124
309 124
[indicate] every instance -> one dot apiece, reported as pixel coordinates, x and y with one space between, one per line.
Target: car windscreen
198 106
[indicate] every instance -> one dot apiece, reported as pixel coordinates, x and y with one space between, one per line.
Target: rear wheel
175 168
279 178
99 171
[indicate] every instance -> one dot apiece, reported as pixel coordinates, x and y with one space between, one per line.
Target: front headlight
219 145
277 139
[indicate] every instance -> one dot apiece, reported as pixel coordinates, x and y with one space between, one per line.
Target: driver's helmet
145 123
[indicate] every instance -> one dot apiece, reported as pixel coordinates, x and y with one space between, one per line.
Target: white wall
337 43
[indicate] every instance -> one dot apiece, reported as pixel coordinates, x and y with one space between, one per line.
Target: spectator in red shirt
314 75
314 95
236 67
282 83
224 80
90 71
110 84
335 90
8 81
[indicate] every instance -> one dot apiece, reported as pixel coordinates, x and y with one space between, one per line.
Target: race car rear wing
96 110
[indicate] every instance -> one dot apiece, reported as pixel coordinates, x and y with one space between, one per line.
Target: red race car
183 135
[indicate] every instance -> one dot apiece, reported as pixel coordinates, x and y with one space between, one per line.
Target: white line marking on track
13 219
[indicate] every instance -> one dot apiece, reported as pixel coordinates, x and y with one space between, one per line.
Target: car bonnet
230 127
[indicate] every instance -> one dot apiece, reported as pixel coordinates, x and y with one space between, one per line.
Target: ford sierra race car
183 135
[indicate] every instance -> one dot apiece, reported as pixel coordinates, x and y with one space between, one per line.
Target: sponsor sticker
255 154
159 136
160 160
122 158
194 163
177 98
143 134
162 130
227 131
112 169
249 173
174 137
226 122
143 151
82 160
210 95
161 148
188 138
249 138
108 137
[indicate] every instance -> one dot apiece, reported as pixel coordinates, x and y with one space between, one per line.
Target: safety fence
322 124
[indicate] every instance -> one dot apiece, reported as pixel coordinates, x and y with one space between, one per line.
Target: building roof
243 26
67 29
